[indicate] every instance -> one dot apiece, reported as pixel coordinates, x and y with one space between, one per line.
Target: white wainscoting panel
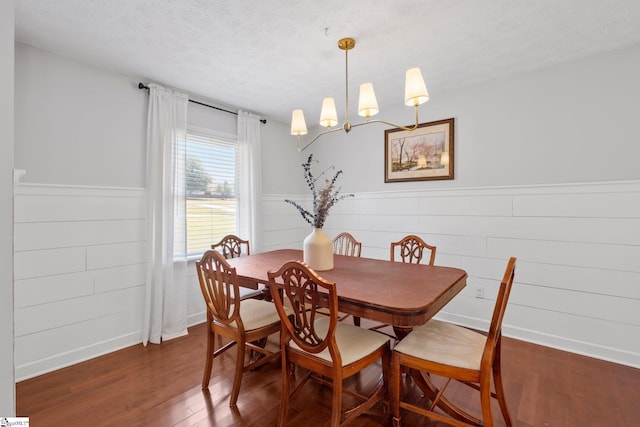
80 265
80 262
196 309
578 248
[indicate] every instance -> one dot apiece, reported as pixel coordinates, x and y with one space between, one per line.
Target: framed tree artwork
423 154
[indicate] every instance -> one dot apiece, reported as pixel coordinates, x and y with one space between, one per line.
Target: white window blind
211 191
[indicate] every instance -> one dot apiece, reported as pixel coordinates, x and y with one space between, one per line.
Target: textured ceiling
271 56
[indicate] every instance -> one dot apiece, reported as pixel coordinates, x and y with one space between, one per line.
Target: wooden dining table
399 294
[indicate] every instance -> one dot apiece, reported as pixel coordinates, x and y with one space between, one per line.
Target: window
211 192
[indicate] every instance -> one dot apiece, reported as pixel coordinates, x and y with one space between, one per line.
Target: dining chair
328 349
456 353
411 249
246 323
345 244
232 246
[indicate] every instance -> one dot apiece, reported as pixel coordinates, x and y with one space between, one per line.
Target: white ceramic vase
318 250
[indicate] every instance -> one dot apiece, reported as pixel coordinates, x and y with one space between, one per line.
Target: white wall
80 220
575 122
80 125
577 247
280 160
76 124
7 389
546 170
577 242
80 266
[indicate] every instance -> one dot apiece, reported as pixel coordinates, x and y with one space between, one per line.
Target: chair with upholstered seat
232 246
243 322
332 350
345 244
455 353
411 250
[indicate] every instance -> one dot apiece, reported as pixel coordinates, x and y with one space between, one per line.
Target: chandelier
415 93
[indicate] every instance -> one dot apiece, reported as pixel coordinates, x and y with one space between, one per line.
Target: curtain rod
263 121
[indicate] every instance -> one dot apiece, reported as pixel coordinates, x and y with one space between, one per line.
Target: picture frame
421 154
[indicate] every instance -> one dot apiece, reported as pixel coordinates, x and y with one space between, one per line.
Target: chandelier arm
409 128
302 148
414 127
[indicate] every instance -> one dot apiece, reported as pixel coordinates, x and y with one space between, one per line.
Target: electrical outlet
479 292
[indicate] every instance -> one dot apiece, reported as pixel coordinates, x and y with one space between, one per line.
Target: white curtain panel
249 178
165 314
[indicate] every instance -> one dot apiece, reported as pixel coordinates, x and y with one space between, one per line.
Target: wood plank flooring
159 385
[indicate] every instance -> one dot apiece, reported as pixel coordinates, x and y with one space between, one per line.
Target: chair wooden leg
286 389
237 378
336 404
394 389
386 379
497 381
424 383
209 362
356 320
485 400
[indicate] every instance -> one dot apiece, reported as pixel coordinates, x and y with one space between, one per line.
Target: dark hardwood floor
159 385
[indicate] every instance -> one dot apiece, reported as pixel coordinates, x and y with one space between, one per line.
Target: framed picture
423 154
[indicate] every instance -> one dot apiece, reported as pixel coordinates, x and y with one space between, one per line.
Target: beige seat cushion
258 313
250 293
354 342
444 343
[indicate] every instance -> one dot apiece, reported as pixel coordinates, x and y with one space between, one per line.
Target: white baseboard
62 360
196 318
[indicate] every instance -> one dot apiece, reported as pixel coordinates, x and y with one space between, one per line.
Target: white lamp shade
298 125
367 103
328 115
415 91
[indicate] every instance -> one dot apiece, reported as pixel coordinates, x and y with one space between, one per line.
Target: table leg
401 331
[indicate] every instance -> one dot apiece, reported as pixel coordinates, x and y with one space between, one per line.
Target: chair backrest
231 246
301 287
219 285
412 249
346 244
495 329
